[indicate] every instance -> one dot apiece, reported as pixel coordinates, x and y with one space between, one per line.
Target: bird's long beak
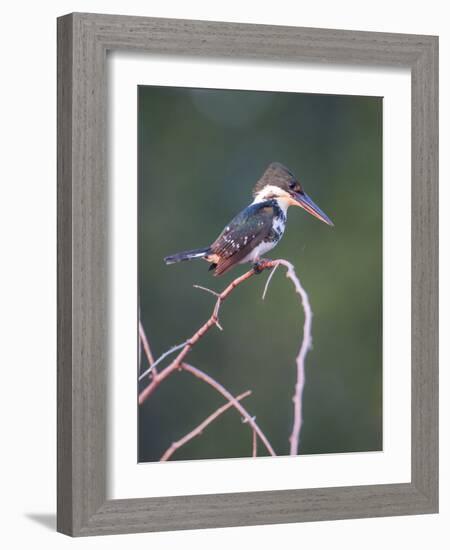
302 200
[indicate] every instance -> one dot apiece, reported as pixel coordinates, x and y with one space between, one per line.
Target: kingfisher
259 227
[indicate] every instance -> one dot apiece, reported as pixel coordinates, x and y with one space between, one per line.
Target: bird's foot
260 266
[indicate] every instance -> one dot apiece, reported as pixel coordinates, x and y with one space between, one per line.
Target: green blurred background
200 153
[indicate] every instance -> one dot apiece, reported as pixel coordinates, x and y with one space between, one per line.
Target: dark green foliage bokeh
200 153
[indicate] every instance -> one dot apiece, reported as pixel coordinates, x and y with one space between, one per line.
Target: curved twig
305 346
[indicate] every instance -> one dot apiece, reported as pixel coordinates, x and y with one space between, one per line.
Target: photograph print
260 274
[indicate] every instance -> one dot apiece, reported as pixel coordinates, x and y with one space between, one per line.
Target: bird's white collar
273 192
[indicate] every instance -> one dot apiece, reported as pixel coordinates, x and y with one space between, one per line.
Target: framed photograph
247 274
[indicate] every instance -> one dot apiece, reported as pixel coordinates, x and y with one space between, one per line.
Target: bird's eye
292 185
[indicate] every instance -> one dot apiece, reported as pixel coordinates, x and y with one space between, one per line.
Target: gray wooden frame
83 41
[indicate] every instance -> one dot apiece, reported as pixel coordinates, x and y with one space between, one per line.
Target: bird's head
279 183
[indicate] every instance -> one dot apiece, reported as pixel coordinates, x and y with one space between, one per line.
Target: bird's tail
187 255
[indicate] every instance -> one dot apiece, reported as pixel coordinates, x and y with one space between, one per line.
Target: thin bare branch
217 295
213 292
247 417
161 358
199 429
144 342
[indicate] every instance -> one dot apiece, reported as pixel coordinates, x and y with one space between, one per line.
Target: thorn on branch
216 322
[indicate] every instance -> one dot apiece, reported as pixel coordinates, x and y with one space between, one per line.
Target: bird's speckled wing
248 229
